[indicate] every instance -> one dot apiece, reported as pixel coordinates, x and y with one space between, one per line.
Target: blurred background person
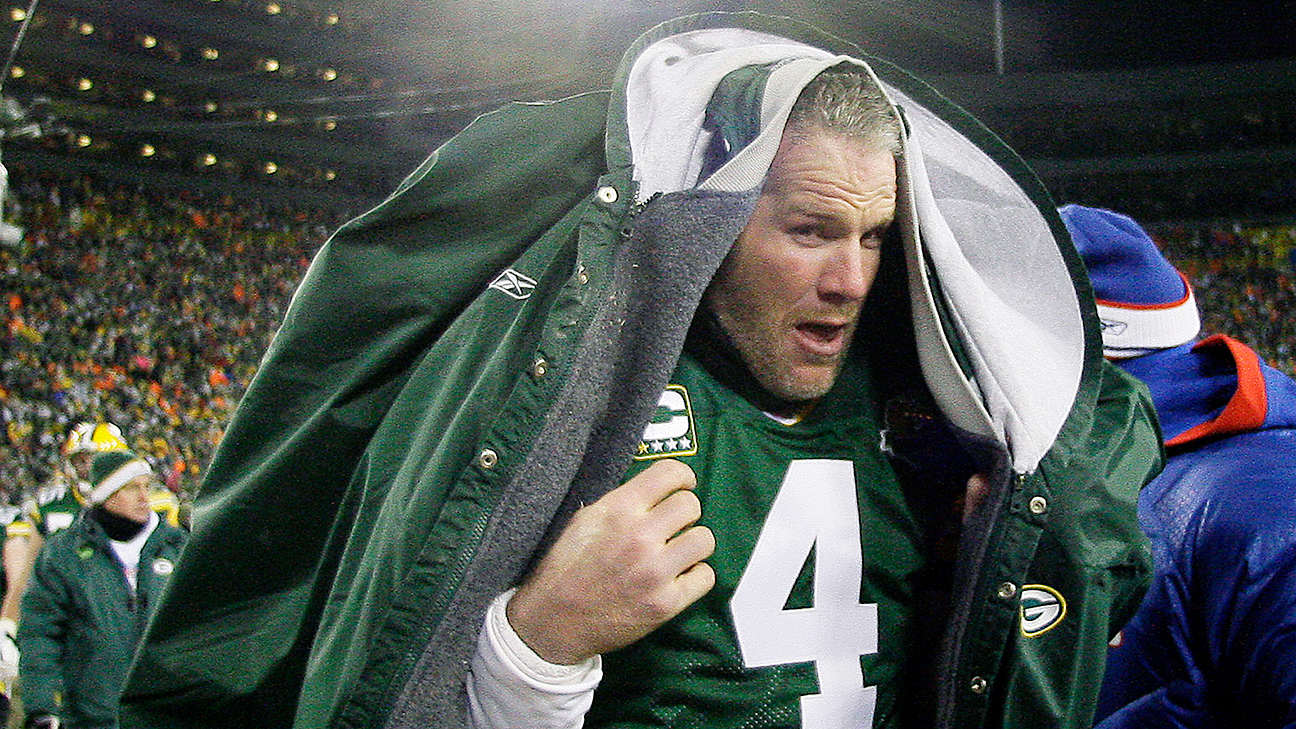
1214 641
91 591
51 509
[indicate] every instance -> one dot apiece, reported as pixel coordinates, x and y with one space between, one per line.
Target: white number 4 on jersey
815 509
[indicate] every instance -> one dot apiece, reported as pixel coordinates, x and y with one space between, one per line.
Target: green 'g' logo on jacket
1042 608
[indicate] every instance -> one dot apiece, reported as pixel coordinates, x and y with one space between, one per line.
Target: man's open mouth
821 338
821 331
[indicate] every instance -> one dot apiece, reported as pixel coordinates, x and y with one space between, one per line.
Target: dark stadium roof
332 102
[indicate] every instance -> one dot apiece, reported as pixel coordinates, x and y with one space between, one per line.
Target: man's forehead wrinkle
826 198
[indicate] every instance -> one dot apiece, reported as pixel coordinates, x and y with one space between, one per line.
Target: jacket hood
1003 338
1214 388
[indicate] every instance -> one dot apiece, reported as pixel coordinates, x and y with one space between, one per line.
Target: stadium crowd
1245 283
152 311
140 308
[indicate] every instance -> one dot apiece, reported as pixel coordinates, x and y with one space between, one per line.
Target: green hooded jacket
469 361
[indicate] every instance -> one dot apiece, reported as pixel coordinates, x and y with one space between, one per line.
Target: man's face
790 292
132 500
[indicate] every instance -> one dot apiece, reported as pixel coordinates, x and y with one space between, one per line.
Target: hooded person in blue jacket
1214 642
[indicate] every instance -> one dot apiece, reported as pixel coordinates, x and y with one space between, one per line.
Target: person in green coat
467 365
92 589
53 508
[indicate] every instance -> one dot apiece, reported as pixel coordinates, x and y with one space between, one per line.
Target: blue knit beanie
1144 303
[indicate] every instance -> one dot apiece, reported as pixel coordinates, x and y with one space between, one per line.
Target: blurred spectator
50 510
92 590
1245 283
1214 642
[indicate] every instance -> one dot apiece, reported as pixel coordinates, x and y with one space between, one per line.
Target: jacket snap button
1007 590
1038 505
607 194
487 458
540 367
581 275
978 685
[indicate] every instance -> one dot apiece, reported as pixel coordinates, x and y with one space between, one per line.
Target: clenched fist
623 566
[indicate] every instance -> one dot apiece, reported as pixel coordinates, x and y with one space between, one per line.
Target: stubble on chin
792 378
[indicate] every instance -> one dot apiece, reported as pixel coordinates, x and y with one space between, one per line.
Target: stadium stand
146 310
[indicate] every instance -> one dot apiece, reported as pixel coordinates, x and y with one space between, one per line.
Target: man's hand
623 566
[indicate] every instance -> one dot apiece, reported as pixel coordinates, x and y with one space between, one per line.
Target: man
91 592
774 332
1213 643
51 510
516 316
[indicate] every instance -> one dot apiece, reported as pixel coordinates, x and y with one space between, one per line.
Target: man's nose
848 273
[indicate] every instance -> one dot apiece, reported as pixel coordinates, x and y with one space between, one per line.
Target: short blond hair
846 100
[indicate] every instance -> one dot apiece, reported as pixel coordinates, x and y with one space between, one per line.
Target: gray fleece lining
657 280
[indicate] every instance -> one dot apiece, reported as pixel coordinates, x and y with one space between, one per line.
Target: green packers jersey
816 556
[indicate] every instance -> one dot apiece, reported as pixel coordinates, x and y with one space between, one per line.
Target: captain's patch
670 432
